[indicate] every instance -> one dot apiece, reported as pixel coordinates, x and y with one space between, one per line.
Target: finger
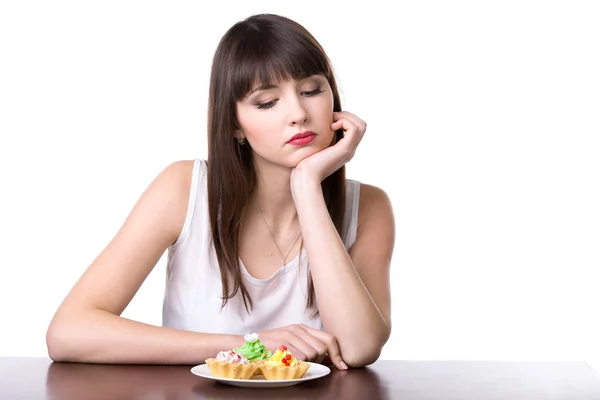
344 124
332 346
337 125
350 130
338 115
357 122
296 352
308 352
320 347
345 114
341 114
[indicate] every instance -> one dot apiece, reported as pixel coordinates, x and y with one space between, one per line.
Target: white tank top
193 291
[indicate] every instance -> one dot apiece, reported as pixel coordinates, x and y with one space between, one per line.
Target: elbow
59 344
57 350
362 354
361 358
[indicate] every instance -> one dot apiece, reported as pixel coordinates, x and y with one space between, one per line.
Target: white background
483 128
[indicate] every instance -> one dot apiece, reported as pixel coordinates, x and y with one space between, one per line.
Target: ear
239 134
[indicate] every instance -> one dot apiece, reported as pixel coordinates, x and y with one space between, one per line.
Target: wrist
212 344
303 183
234 341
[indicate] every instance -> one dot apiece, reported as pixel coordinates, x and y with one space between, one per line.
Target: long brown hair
261 49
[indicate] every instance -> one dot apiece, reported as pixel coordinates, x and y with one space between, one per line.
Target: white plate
315 371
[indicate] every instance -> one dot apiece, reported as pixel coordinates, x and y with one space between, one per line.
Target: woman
242 228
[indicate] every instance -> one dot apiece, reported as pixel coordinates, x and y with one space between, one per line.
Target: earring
241 141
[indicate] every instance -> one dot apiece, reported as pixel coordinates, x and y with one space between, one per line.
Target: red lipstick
302 138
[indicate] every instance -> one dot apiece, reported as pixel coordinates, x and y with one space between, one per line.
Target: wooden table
40 378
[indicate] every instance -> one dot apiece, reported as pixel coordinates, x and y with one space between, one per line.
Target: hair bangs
266 58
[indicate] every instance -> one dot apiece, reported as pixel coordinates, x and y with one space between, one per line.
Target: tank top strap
351 214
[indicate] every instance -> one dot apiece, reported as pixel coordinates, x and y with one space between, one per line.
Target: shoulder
178 170
175 179
375 233
374 202
372 193
168 194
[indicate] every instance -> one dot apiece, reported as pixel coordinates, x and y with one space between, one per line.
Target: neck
274 197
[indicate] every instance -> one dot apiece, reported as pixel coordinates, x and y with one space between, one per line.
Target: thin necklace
275 241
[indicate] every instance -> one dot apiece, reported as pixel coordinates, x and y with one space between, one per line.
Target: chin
293 158
301 154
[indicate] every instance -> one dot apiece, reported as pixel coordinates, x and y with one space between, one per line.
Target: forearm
97 336
347 309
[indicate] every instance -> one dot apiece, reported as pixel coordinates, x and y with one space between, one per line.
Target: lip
302 138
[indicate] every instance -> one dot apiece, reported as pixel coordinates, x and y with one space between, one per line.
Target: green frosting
254 351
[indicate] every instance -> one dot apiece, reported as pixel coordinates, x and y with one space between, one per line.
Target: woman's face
270 116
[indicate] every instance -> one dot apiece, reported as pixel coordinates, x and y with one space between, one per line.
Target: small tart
231 365
281 372
283 366
254 350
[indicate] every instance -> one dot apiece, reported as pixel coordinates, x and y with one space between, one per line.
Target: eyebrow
263 87
268 86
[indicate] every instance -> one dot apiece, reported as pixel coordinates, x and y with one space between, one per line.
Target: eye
268 104
313 92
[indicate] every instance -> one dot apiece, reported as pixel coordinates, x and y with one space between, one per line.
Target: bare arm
352 289
87 326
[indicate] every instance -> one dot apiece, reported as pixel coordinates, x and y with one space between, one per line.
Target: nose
298 113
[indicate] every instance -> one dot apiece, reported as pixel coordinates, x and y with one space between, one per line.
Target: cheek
255 124
326 111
